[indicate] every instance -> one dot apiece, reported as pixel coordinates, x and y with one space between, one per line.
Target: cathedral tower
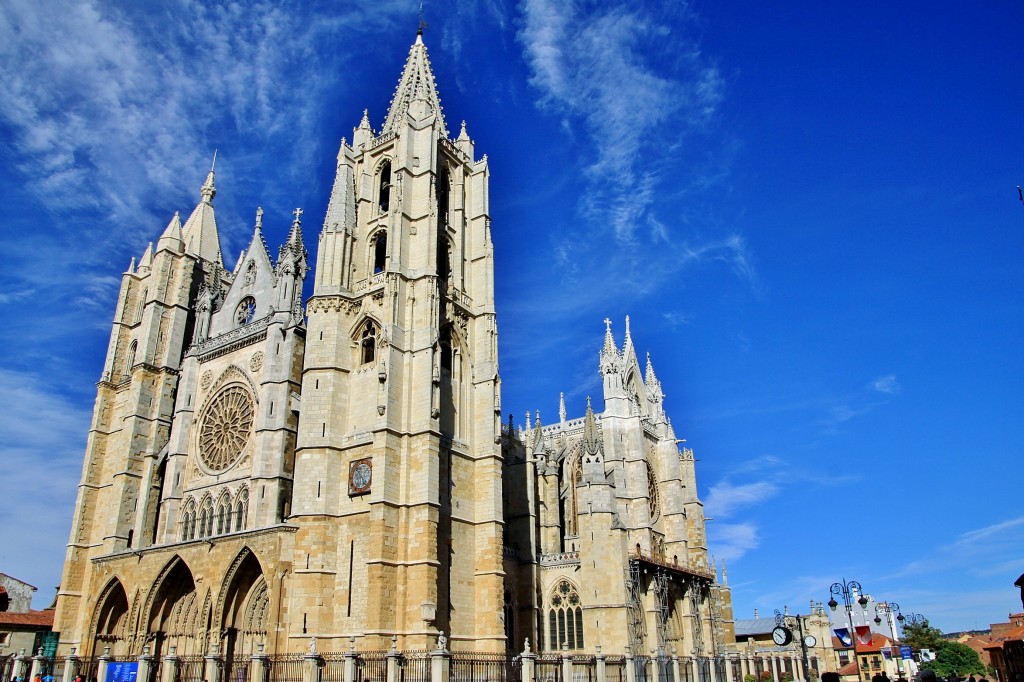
398 470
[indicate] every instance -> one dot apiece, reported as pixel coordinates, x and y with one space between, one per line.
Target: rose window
225 428
246 311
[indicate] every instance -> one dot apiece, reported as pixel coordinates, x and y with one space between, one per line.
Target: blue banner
122 671
906 653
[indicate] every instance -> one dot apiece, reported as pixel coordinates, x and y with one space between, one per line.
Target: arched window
206 519
384 193
241 509
379 244
368 343
141 308
246 311
441 192
444 257
653 501
446 347
188 522
130 360
572 511
565 617
224 516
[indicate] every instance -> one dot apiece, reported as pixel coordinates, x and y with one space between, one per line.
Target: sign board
906 653
49 643
122 671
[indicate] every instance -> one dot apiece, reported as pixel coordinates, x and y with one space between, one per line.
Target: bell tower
398 467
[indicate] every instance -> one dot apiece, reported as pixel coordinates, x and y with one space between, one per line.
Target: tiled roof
748 627
32 618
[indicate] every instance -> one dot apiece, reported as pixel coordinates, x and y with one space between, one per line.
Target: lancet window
384 187
241 509
224 515
565 617
188 521
368 343
130 361
379 251
574 478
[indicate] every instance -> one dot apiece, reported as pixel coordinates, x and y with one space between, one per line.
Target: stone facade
259 475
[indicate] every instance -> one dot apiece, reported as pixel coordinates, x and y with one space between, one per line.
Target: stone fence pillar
566 663
103 664
71 666
529 669
392 659
37 664
145 665
212 664
602 673
350 661
675 666
311 663
21 665
440 661
260 671
630 670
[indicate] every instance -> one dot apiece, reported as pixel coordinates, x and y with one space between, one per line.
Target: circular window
225 428
246 311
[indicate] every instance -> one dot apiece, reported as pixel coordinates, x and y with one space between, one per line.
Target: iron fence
475 667
285 667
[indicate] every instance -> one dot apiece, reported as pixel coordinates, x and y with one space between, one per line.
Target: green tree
921 635
954 658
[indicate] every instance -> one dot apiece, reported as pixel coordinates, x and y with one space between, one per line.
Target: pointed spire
725 576
146 262
609 340
131 266
463 135
591 442
629 338
361 135
171 238
561 407
538 436
529 423
649 377
200 231
416 83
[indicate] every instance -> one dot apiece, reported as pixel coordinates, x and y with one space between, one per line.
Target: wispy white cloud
633 83
724 499
733 540
886 384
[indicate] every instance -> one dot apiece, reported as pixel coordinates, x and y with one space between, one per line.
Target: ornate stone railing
371 282
383 139
243 335
559 559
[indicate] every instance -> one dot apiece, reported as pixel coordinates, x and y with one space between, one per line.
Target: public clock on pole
782 636
360 476
810 641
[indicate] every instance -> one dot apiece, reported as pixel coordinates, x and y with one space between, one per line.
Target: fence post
392 659
675 666
566 663
260 666
21 664
695 665
350 661
145 664
311 663
630 670
728 668
169 664
211 664
103 663
602 673
37 664
657 659
529 659
71 666
440 661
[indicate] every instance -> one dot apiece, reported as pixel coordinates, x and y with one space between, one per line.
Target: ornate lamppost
888 608
850 591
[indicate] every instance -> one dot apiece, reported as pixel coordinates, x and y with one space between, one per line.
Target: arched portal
110 622
244 608
174 615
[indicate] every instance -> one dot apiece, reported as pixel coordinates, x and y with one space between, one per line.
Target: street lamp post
848 590
889 608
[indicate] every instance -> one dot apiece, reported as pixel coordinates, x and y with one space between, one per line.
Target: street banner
844 636
887 654
863 634
906 653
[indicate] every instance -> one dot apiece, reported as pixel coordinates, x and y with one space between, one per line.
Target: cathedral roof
200 232
416 83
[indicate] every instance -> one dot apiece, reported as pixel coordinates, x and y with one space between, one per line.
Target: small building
21 628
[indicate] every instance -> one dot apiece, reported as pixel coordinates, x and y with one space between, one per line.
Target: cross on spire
297 212
607 325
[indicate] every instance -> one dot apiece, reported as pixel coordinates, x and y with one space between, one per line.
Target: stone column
21 665
211 668
695 665
566 662
392 658
728 668
350 661
37 664
630 670
675 667
71 666
657 657
712 669
145 665
529 663
260 666
775 668
103 663
310 663
602 674
440 661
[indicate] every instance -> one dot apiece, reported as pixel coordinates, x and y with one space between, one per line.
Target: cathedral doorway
174 615
111 622
244 611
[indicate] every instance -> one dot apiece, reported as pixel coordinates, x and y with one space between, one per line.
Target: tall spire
416 84
200 231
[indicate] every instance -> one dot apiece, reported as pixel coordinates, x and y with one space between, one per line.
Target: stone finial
259 217
561 407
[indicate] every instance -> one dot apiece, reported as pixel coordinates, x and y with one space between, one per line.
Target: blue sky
809 211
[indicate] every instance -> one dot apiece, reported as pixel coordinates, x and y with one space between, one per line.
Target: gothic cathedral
260 473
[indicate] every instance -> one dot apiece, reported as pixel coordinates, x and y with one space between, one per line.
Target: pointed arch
573 476
366 335
565 616
241 509
384 186
110 620
243 605
172 614
378 251
188 520
224 510
133 348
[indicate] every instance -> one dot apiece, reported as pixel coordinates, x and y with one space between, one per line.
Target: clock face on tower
360 476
